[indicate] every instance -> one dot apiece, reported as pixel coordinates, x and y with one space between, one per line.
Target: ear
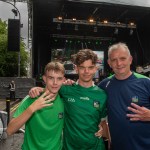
64 79
96 68
76 68
108 61
44 78
131 58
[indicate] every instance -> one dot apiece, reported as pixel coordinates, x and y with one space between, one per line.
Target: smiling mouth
86 76
55 88
121 68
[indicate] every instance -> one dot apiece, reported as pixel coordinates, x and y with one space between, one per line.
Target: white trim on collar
77 83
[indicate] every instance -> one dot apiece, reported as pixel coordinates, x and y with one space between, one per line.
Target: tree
9 59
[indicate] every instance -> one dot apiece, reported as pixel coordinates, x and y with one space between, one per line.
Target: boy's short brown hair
55 66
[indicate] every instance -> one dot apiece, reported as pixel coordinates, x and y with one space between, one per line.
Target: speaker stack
13 35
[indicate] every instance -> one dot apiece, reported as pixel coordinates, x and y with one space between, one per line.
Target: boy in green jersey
85 106
43 115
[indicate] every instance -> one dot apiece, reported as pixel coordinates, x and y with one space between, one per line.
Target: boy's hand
68 82
99 133
44 100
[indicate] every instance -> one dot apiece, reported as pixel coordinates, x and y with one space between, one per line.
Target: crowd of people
116 109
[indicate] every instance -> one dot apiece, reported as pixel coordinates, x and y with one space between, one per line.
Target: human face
120 61
53 81
86 71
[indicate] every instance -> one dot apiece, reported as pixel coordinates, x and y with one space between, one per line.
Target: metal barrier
3 125
8 108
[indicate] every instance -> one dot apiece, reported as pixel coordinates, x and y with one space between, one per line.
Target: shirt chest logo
135 99
96 104
71 100
85 98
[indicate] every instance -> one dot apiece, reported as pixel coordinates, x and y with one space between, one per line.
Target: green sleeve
104 109
25 103
62 90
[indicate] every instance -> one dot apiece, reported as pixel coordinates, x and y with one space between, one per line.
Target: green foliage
9 59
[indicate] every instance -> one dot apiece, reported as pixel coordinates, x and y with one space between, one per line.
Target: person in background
96 81
12 88
43 116
126 89
85 106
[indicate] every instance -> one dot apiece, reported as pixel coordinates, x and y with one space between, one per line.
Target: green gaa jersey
43 131
84 109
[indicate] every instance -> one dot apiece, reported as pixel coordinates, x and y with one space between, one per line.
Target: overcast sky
6 13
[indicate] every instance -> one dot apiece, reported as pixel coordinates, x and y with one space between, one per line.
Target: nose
118 62
55 81
86 69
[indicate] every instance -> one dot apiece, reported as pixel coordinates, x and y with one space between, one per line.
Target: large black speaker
13 35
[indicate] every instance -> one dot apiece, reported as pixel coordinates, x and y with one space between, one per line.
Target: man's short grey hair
117 46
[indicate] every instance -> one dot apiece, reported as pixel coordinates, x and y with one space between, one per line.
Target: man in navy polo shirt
125 88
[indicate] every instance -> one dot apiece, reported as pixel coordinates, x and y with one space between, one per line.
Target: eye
113 60
91 67
80 67
50 78
60 78
123 58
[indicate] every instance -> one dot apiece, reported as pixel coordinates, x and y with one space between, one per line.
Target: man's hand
44 100
35 91
140 113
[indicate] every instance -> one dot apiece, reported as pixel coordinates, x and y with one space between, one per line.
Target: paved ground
13 142
3 103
